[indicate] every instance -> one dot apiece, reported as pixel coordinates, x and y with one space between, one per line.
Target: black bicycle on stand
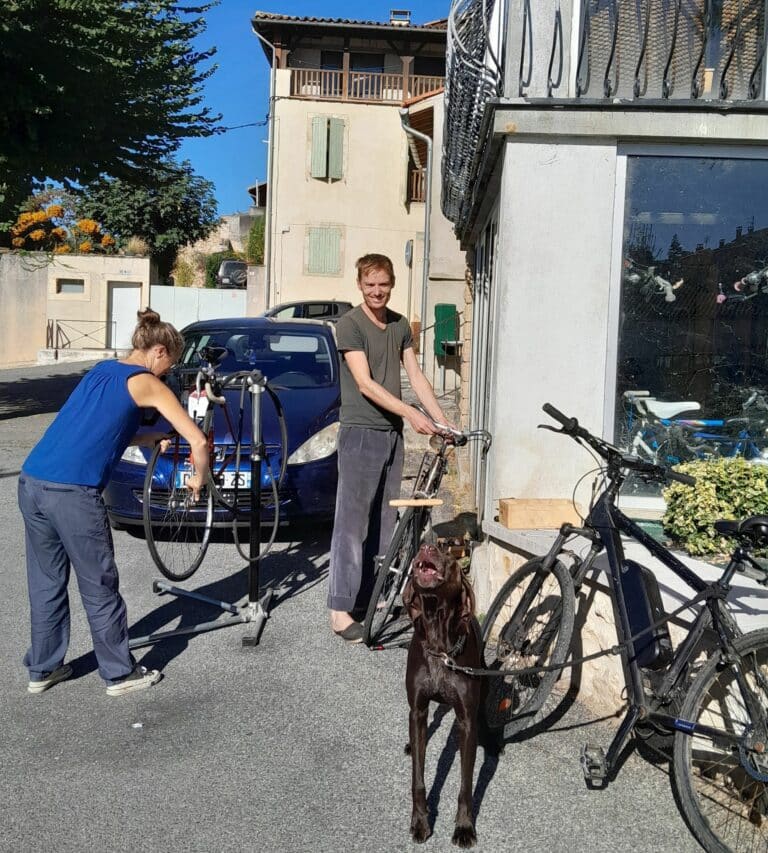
708 696
414 521
177 527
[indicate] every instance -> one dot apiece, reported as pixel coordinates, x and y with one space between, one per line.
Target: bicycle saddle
670 410
754 528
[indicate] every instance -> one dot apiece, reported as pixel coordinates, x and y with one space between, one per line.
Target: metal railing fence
79 334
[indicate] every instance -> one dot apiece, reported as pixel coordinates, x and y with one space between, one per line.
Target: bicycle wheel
529 623
393 571
177 527
722 786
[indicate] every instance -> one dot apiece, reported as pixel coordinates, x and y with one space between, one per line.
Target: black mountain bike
708 697
393 568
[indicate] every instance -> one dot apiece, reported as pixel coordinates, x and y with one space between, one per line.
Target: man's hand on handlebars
423 423
426 425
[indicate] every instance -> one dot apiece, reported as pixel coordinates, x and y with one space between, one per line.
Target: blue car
300 361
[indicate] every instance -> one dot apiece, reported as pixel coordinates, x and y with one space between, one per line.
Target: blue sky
239 89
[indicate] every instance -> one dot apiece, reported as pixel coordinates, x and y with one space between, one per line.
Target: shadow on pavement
40 395
287 574
447 760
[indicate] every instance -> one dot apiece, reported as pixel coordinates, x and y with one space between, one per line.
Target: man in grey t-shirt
373 342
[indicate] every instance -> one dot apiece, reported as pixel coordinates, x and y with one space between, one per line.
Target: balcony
360 86
417 185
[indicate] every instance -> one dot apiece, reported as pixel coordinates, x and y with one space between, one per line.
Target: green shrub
183 273
213 262
725 488
254 252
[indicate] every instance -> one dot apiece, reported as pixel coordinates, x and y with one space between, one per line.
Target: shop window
692 369
327 161
323 251
70 285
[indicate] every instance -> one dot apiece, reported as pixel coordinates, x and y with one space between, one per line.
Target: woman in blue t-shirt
64 515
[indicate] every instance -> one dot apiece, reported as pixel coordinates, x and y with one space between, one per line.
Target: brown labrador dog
441 604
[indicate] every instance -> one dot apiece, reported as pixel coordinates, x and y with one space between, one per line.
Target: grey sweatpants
68 525
370 471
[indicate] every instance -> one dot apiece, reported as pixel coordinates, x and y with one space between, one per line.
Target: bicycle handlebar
570 426
459 437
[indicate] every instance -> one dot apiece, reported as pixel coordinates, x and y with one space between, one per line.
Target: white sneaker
140 678
60 674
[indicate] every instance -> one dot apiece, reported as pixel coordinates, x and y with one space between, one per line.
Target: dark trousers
370 471
66 525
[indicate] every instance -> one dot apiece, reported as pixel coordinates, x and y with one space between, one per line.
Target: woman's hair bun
148 317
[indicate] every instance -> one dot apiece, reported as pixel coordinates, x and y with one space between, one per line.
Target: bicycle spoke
177 528
528 625
722 794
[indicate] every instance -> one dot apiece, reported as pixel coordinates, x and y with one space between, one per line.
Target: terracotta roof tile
273 16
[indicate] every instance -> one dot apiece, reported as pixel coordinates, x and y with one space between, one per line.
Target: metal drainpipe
405 121
270 160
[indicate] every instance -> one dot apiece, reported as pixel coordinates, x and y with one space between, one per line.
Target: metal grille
473 77
671 49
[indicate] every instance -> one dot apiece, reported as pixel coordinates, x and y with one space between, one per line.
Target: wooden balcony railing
366 86
418 185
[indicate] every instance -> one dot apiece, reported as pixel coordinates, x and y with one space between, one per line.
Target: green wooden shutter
324 251
319 147
336 149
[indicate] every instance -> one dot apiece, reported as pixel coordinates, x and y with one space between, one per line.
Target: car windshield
291 360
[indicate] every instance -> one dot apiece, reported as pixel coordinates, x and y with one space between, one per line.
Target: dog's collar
455 650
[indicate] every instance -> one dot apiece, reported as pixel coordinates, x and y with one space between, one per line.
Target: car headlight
133 454
321 444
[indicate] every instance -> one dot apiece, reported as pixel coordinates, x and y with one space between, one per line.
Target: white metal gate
124 303
183 305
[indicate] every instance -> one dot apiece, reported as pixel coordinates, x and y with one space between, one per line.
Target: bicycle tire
724 806
177 530
393 572
538 635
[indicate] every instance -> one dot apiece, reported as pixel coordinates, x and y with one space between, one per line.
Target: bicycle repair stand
255 610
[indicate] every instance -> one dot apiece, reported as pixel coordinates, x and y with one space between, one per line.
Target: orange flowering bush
49 229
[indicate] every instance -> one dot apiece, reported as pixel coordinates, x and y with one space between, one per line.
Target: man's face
376 287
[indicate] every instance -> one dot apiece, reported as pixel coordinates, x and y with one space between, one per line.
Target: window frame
623 152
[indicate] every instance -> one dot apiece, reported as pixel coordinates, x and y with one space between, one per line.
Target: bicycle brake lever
549 427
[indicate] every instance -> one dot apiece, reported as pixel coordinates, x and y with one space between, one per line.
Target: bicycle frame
603 527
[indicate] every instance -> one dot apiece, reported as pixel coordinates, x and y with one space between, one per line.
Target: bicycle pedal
593 763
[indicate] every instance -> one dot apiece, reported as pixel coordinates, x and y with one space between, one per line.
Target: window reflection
692 373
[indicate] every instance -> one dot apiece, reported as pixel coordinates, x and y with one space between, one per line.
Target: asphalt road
295 745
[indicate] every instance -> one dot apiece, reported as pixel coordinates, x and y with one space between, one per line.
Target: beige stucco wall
29 301
88 313
23 283
368 203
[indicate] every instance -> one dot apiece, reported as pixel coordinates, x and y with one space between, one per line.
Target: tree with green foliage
172 207
104 87
254 252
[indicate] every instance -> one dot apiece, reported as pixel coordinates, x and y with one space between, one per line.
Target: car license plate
226 480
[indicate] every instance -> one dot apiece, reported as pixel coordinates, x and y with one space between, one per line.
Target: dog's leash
451 664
